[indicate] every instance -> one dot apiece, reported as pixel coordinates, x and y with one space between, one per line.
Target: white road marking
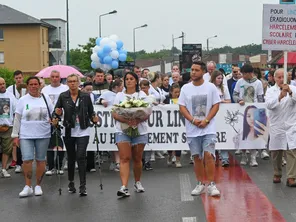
185 187
189 219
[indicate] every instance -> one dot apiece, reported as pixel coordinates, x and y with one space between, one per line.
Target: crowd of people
38 119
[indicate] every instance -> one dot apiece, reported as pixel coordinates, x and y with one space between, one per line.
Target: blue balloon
98 40
107 49
108 60
122 57
114 64
93 65
102 60
101 54
122 51
119 44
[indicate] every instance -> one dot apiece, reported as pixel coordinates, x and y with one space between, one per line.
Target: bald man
7 109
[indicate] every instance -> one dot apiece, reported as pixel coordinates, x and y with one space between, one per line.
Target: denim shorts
198 145
34 148
121 137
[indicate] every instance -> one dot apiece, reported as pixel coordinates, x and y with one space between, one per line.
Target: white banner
279 27
234 124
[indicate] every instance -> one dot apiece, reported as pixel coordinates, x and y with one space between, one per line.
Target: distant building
259 61
25 42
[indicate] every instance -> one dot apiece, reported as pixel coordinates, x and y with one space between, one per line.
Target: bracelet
192 121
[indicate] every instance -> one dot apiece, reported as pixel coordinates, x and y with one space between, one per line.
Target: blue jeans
34 147
198 145
224 156
121 137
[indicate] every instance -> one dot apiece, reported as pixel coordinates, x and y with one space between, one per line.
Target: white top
17 94
293 83
7 108
158 94
199 100
225 95
109 96
120 97
282 118
34 117
249 91
54 92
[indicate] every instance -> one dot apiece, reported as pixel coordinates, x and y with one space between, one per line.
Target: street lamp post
68 41
215 36
173 39
100 20
134 38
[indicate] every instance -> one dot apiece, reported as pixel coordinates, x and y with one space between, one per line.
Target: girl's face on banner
250 117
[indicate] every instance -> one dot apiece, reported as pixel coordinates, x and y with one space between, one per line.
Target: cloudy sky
236 22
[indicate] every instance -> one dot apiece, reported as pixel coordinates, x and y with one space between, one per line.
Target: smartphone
260 116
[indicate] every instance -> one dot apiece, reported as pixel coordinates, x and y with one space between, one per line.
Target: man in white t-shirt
53 91
199 103
18 90
249 90
7 109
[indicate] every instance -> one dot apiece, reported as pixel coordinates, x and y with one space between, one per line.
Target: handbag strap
46 105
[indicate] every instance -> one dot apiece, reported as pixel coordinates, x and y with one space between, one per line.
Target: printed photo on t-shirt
199 106
4 108
249 94
37 114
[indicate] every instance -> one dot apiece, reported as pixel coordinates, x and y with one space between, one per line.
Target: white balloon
96 49
107 67
94 57
98 64
114 54
113 45
114 38
105 41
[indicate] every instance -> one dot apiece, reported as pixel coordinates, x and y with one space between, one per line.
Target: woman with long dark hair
130 147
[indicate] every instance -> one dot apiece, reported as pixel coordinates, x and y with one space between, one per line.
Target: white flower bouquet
132 109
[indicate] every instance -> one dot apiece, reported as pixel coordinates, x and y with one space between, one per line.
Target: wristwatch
290 93
207 121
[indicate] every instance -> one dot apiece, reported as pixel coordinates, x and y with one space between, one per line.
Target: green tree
7 74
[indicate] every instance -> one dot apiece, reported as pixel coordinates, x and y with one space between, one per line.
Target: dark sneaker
123 192
82 191
147 166
71 188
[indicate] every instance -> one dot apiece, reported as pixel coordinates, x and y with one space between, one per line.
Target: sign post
279 29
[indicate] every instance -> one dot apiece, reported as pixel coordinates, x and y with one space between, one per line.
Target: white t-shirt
17 94
34 117
54 92
7 108
109 96
120 97
225 95
158 94
293 83
249 91
199 100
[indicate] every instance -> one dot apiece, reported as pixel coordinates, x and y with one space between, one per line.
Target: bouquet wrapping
132 109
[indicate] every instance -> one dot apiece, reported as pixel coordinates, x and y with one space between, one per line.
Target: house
25 42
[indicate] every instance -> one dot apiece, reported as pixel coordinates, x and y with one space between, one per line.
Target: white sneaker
253 162
284 162
18 169
66 165
159 155
184 152
238 152
5 174
112 166
117 167
93 170
169 160
178 164
247 152
138 187
27 191
244 159
61 172
50 172
264 155
152 159
76 165
38 191
212 190
198 190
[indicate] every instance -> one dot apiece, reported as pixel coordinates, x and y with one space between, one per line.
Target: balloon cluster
107 53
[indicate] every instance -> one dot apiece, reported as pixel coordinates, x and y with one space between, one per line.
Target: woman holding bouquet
130 146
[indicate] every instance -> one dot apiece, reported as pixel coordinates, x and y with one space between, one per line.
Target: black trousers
50 159
90 160
76 150
19 158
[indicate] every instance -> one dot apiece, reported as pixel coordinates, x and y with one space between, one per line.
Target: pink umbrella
65 71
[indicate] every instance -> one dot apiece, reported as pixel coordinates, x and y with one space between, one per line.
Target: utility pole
68 41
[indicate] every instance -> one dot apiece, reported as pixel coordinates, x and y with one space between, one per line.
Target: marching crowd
37 119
